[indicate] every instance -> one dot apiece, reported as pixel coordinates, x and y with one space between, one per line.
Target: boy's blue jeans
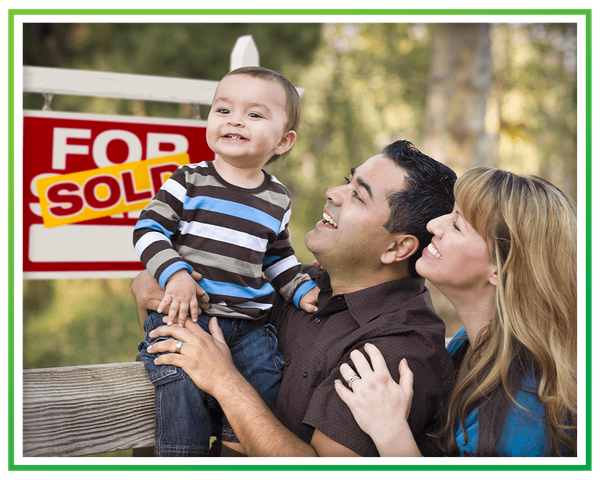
183 423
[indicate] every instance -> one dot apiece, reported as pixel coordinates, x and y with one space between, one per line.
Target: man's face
351 232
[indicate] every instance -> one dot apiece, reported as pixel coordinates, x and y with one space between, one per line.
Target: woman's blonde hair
530 228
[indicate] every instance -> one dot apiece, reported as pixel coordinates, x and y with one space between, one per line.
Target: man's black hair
428 194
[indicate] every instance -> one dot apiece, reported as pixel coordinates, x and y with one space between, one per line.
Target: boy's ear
286 142
401 248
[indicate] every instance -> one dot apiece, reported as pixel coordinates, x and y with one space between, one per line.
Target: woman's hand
379 405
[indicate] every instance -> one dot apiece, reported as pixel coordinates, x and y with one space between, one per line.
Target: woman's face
457 257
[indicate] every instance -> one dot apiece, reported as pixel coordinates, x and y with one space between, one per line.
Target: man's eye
354 192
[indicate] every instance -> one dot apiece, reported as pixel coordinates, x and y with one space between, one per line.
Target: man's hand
204 357
207 360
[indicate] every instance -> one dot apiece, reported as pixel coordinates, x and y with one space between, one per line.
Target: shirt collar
369 303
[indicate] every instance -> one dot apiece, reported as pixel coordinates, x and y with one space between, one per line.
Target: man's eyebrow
362 183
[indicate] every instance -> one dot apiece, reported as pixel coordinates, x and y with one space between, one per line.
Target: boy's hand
308 302
180 294
200 293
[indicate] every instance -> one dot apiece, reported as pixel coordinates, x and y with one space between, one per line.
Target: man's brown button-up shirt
397 317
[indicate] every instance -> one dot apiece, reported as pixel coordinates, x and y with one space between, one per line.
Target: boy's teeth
433 251
329 220
234 136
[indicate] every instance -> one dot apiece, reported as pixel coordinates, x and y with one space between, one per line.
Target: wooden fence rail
71 411
89 409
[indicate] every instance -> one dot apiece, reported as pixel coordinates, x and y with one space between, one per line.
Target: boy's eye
222 110
255 115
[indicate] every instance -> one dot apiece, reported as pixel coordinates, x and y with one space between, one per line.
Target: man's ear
286 142
402 247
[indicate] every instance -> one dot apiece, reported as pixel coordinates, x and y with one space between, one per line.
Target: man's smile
328 219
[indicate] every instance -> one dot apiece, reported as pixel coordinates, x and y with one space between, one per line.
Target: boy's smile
246 123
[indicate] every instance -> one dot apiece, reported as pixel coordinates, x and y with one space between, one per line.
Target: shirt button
317 320
305 374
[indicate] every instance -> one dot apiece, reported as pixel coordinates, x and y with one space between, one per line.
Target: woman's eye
455 226
346 180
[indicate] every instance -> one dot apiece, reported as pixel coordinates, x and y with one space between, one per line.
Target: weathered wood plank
69 411
65 81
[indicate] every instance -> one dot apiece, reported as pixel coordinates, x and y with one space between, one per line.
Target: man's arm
207 360
326 447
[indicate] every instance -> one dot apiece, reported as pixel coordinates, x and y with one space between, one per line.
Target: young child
228 220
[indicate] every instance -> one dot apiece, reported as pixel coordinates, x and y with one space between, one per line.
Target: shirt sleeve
283 270
156 228
329 414
524 432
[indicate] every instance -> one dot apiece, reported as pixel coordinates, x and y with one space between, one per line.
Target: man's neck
354 281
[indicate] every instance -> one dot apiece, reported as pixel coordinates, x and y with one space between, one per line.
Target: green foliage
365 86
190 50
78 322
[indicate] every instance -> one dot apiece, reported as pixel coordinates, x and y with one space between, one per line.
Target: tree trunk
459 83
460 80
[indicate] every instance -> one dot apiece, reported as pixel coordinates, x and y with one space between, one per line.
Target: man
373 231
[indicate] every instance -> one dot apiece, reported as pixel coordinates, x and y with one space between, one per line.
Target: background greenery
366 85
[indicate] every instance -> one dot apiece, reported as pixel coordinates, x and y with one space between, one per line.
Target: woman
506 259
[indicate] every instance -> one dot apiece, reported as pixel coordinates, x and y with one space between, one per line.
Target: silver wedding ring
351 379
178 346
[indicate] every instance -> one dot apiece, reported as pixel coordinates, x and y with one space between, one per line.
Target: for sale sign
83 174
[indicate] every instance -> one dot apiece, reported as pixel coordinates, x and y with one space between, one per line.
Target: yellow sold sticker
102 192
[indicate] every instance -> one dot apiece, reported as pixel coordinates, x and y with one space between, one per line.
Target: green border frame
585 14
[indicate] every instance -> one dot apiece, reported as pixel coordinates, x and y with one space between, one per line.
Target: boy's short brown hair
291 94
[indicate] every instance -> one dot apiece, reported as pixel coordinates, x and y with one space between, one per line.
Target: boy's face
247 120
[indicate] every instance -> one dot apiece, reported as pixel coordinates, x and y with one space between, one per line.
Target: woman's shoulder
457 341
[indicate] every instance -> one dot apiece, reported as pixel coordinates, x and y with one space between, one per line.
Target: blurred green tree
188 50
366 85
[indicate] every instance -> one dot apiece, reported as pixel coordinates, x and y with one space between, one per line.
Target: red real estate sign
59 143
